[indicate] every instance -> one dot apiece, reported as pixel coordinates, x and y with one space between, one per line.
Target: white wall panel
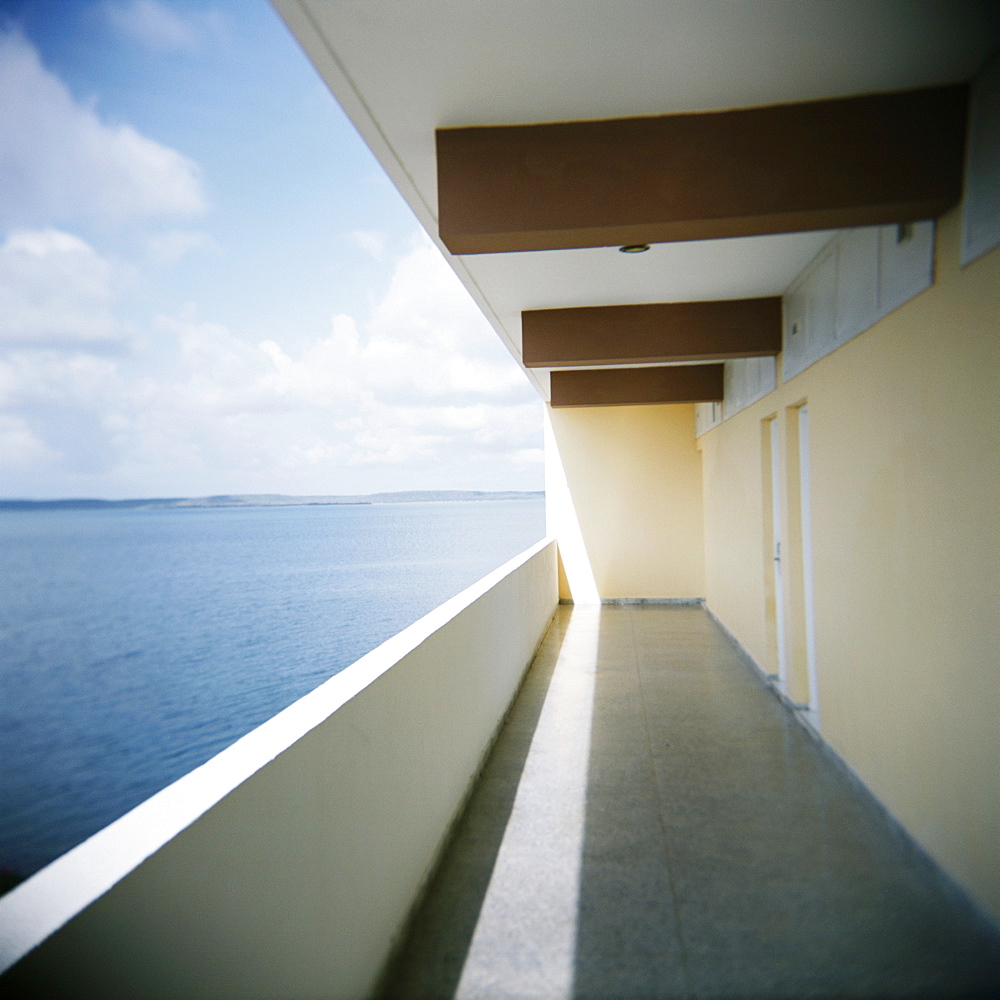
810 314
857 281
905 265
981 211
822 320
746 381
795 352
706 416
859 277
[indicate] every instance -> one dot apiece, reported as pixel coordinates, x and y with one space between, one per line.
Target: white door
779 593
807 564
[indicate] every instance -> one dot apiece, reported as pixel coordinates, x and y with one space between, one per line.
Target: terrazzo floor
653 823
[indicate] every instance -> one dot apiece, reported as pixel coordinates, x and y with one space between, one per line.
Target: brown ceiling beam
631 386
854 161
654 332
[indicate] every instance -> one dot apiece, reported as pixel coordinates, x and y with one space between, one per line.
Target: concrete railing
287 865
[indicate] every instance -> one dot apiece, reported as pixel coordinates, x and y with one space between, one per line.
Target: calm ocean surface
136 644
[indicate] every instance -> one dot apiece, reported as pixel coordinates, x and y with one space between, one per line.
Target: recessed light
634 248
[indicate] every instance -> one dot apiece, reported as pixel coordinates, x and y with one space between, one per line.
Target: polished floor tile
652 823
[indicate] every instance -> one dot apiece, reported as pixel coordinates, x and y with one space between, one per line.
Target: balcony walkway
653 823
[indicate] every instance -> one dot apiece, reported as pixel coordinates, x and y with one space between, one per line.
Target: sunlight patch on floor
532 923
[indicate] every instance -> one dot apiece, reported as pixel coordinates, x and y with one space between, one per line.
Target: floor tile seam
664 835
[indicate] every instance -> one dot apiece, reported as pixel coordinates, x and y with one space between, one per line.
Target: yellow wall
625 481
905 441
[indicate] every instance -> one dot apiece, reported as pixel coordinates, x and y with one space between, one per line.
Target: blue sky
207 284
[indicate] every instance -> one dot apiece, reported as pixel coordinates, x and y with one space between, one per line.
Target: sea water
137 643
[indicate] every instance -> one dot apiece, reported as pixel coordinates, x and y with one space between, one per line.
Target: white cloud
55 292
373 243
160 29
429 340
20 447
60 162
61 409
31 379
171 245
221 414
418 393
528 456
329 374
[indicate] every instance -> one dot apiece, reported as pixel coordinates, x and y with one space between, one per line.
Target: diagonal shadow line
437 940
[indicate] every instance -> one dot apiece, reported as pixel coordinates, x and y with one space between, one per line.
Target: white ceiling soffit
403 68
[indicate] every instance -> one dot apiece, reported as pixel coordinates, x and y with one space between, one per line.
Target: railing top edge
56 893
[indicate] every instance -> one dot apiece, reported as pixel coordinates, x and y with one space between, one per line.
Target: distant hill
276 500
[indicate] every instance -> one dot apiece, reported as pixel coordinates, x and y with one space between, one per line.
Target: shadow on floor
433 956
720 851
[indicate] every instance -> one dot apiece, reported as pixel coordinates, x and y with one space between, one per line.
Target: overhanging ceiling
403 68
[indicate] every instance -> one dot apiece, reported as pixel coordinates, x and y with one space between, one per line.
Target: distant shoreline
273 500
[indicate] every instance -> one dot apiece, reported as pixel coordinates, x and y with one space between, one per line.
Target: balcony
650 822
653 822
286 865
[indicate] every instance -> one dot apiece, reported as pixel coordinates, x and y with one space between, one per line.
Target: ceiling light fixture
634 248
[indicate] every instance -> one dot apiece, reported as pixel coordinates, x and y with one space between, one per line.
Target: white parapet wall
287 865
